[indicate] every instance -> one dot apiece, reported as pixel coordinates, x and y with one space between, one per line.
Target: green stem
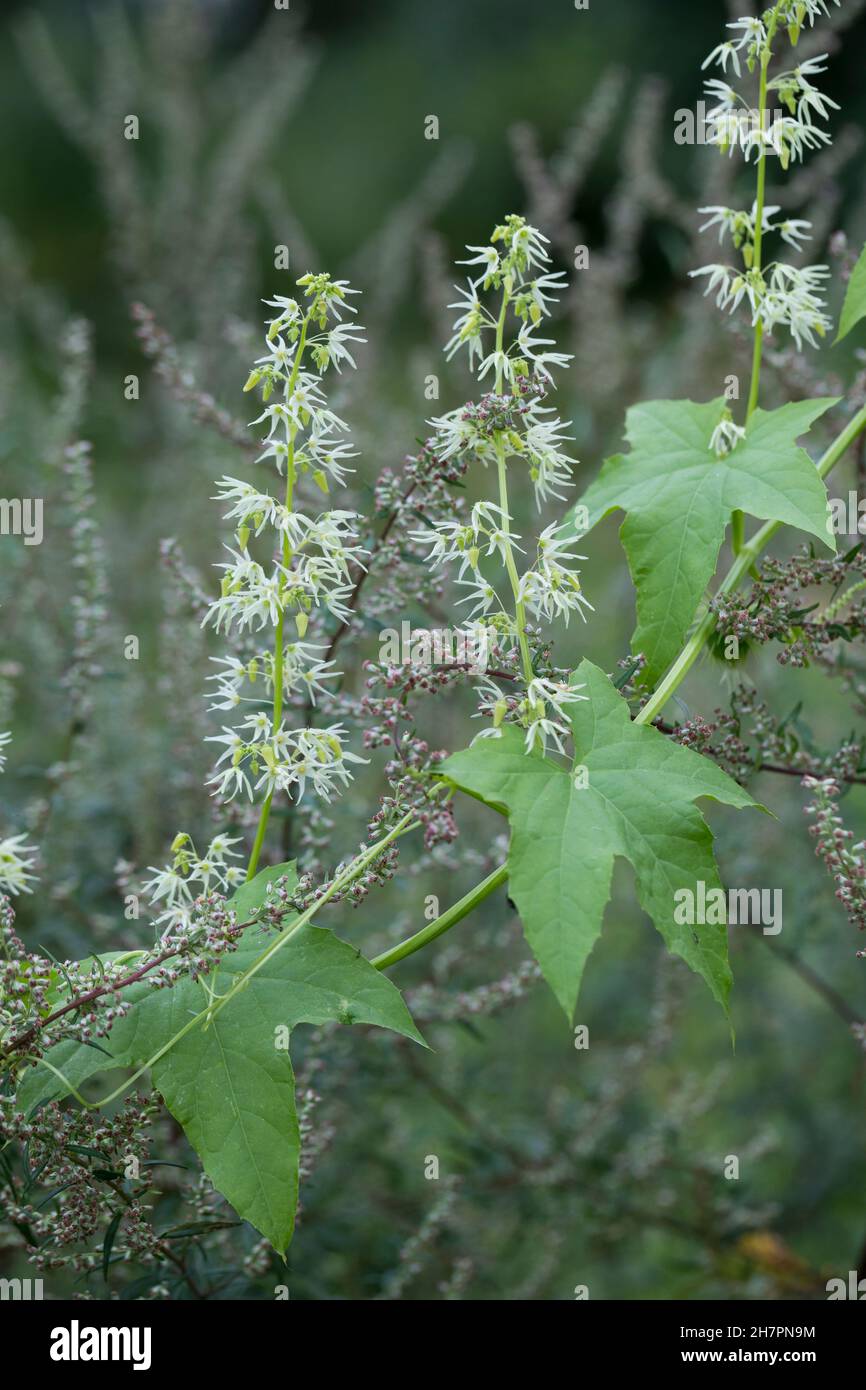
738 520
757 251
279 644
735 576
443 923
502 471
511 568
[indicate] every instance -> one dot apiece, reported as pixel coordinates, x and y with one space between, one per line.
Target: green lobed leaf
854 305
228 1080
678 499
637 804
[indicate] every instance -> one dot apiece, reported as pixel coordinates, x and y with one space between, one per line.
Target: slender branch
815 981
669 729
91 996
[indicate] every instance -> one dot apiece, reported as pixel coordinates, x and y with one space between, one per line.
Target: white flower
221 846
16 861
552 591
542 731
448 541
722 54
334 347
752 32
557 694
528 347
720 280
550 466
726 436
326 455
167 883
527 241
813 100
248 503
487 256
793 231
484 594
537 289
738 225
258 726
728 101
469 326
16 857
498 361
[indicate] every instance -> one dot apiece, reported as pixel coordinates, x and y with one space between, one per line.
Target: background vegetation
259 128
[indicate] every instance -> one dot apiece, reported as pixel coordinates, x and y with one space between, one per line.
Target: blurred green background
259 128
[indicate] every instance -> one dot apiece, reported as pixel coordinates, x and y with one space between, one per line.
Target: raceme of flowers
314 556
190 876
784 126
511 423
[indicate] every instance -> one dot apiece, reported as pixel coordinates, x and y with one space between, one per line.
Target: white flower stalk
778 295
310 569
175 887
511 425
17 858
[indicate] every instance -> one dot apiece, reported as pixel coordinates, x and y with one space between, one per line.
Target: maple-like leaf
228 1078
630 793
678 498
